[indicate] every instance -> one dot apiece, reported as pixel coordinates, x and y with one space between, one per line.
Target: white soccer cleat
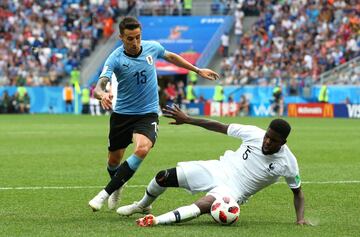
147 221
132 209
98 201
114 198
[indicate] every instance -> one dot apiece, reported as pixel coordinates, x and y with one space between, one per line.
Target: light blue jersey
137 89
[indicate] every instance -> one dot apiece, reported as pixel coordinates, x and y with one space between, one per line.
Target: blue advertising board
181 33
347 110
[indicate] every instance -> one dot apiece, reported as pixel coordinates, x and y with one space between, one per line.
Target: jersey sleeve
293 182
108 67
159 49
292 175
244 132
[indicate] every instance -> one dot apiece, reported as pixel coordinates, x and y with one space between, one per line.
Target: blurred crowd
293 42
19 102
41 42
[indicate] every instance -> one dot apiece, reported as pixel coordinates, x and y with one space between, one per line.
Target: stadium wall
50 100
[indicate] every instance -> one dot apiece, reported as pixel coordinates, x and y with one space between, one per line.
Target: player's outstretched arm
101 94
299 204
180 118
181 62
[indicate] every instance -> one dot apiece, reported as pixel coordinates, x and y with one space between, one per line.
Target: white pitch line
65 187
333 182
144 186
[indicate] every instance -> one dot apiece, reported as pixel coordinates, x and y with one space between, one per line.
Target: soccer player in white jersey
134 118
260 160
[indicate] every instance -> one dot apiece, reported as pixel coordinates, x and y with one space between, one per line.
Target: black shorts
123 126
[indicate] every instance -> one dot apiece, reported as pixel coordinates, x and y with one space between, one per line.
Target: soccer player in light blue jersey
135 117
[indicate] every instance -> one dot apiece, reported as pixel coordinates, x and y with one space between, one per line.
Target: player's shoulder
233 127
289 156
118 52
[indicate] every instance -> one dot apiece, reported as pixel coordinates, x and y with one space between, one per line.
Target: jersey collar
134 56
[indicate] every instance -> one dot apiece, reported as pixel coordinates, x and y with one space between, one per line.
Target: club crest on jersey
149 60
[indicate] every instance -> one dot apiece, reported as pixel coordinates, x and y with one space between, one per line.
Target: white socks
103 194
181 214
153 190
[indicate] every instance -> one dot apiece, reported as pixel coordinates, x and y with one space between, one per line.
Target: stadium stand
41 42
294 43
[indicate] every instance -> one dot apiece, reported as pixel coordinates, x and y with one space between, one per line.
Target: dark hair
281 127
129 23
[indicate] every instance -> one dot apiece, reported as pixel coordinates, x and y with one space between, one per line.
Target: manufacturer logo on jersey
126 65
149 60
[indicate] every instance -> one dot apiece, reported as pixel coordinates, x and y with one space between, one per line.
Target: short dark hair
280 126
129 23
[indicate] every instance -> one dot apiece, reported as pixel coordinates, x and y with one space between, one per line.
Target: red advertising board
218 109
319 110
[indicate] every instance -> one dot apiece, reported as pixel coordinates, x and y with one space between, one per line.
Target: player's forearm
100 87
180 62
208 124
299 204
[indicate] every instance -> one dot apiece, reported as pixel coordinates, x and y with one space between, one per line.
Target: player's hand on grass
175 113
106 100
208 74
304 222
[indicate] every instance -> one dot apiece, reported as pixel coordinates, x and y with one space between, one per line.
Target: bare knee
114 157
204 204
142 150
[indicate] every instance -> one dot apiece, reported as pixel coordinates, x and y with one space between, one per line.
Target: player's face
131 40
272 142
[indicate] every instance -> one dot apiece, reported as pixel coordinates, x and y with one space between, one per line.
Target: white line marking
333 182
144 186
65 187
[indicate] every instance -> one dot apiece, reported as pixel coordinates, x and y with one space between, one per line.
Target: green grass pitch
52 165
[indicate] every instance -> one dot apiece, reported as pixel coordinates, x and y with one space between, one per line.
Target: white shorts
205 176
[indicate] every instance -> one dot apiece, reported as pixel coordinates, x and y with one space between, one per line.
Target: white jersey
250 169
243 172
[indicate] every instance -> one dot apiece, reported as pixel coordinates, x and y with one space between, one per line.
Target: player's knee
142 151
160 178
114 160
167 178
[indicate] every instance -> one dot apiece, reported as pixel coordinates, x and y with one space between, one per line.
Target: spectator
75 76
243 106
5 103
225 41
187 7
94 103
218 93
180 93
192 76
277 105
68 96
85 100
190 93
323 94
170 93
25 104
